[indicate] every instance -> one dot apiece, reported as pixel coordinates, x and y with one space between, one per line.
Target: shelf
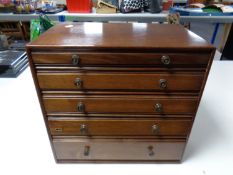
119 17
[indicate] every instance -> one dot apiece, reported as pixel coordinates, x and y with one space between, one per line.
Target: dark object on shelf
128 6
112 2
15 12
12 63
227 53
155 6
61 6
24 7
49 10
7 8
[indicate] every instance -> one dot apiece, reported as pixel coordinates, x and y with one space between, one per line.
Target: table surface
25 147
140 17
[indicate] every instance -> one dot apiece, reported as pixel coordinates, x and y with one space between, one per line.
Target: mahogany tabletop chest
119 92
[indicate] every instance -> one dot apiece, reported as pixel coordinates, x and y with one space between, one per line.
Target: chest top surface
120 36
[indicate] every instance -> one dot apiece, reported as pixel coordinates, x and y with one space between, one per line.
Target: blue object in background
61 18
195 12
215 33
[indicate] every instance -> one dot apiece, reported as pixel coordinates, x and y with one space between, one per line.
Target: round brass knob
165 59
162 83
83 129
81 107
78 82
158 107
155 129
75 59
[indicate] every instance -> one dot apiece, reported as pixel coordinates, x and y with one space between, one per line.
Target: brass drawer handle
78 82
162 83
75 59
155 129
58 129
165 59
150 151
86 150
81 107
158 107
83 129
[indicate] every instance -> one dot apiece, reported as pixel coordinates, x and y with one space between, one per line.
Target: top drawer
121 59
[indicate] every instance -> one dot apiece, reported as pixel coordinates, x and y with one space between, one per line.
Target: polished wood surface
108 149
121 81
100 90
121 36
118 116
122 127
117 59
121 104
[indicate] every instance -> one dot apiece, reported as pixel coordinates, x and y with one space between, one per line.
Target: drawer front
121 81
172 105
122 127
84 149
121 59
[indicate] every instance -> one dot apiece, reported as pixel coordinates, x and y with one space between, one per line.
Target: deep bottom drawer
117 150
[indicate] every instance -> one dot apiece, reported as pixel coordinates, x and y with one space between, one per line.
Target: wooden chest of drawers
119 92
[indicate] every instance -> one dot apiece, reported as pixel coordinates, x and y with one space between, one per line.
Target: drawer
119 149
119 127
121 59
121 81
120 104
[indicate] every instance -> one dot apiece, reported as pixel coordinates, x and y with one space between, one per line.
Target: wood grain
121 81
121 59
120 104
120 67
121 149
119 127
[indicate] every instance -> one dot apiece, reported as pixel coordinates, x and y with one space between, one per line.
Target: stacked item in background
199 9
30 6
113 6
18 6
13 59
80 6
12 63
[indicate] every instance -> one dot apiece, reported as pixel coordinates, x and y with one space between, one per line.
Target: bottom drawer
117 150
